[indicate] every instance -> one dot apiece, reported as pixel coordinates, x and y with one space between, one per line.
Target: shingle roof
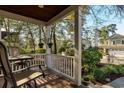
116 36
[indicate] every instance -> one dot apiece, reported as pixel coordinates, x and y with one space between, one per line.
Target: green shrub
110 69
70 52
41 50
29 51
88 77
90 58
120 69
25 51
85 68
91 55
61 49
113 69
66 44
99 74
107 71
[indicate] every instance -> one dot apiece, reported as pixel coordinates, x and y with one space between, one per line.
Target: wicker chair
18 79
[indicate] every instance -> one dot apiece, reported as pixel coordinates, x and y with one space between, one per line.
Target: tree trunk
54 43
7 28
32 38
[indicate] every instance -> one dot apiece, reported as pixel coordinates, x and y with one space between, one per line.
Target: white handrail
64 65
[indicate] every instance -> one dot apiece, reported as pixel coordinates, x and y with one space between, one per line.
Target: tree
105 32
93 19
67 47
63 30
31 34
54 38
13 27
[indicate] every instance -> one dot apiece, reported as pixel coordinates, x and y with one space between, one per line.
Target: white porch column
48 50
77 41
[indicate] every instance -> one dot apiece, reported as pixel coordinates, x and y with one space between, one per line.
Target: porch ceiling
34 11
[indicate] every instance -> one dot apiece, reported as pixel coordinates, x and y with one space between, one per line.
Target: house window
107 42
122 41
117 41
113 42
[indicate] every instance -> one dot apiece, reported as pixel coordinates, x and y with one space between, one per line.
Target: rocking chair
15 80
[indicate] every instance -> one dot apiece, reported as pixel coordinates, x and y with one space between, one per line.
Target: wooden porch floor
52 80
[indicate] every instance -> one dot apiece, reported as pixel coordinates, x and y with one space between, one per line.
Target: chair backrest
6 65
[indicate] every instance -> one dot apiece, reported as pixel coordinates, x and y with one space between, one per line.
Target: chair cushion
26 76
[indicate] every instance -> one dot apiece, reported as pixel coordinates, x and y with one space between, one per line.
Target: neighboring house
114 46
114 43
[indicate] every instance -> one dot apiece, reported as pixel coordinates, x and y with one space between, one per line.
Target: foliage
61 49
110 69
29 51
100 16
120 69
88 77
25 51
63 31
40 45
22 33
91 57
70 52
40 50
99 74
66 47
107 70
105 31
50 45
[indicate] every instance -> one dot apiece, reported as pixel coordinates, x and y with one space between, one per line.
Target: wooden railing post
77 40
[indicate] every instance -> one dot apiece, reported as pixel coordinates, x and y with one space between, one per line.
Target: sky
106 18
120 27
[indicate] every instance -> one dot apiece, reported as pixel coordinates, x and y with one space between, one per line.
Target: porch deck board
52 80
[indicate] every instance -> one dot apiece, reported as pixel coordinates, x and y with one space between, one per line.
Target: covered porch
61 71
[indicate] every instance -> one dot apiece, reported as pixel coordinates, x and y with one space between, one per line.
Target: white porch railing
64 65
39 59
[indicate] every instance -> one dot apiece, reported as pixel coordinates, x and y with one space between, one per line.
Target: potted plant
40 45
50 45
